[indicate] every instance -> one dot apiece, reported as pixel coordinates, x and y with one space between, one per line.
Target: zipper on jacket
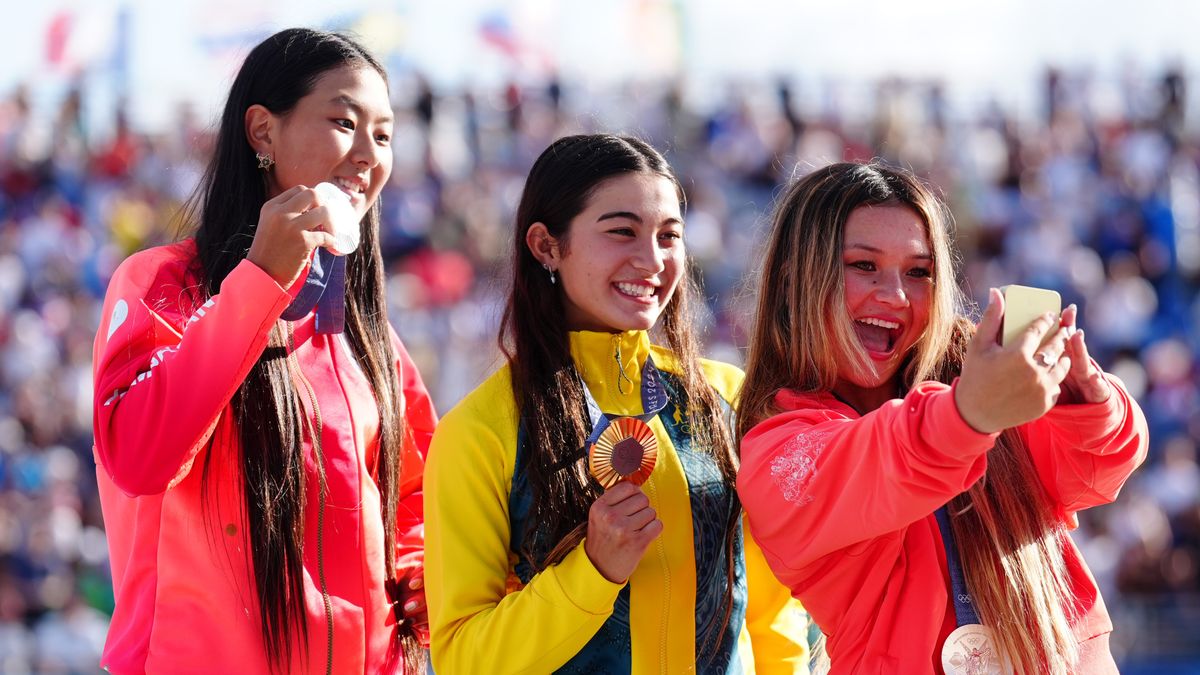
319 455
616 340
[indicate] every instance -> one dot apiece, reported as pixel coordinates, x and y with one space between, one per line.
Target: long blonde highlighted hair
1007 532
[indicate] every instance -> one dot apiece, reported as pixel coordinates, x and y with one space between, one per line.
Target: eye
383 139
671 235
345 123
864 265
623 231
920 272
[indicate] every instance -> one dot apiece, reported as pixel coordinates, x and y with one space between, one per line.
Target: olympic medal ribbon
971 648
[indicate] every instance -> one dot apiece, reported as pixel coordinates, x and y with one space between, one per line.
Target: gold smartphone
1023 305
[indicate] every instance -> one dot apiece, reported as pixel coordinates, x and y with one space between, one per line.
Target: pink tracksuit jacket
843 507
167 453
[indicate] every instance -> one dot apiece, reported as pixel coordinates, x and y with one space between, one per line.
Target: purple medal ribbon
964 611
654 399
324 288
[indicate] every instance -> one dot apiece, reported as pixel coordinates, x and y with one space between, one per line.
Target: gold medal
971 650
626 450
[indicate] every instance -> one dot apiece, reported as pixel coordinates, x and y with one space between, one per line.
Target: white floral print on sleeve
793 468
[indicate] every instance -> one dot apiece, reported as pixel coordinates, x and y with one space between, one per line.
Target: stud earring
265 160
553 279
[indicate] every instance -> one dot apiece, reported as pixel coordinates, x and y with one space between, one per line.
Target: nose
365 152
889 290
649 256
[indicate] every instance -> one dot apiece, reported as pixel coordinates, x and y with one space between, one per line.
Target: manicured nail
410 605
417 583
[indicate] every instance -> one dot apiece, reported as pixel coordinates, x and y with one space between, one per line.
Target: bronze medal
626 450
971 650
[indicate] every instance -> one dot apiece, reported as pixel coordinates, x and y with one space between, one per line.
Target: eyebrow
357 108
873 249
629 215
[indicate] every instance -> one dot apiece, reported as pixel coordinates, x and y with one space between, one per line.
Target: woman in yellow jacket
544 557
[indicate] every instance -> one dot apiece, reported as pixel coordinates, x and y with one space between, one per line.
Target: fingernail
410 605
416 583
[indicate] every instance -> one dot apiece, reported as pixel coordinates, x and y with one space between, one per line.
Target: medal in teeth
343 222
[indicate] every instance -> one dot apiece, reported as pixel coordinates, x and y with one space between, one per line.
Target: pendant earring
265 160
553 279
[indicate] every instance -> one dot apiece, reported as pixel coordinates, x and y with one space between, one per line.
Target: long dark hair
266 407
546 385
1006 531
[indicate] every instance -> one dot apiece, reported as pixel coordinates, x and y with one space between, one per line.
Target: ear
260 128
543 245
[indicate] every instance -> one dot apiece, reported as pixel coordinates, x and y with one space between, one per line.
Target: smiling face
339 133
888 275
623 255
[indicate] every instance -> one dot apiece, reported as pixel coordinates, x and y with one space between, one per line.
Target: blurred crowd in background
1095 194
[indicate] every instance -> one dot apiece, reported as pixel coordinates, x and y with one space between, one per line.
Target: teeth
890 325
348 185
636 290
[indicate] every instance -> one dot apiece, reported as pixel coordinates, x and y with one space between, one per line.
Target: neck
866 399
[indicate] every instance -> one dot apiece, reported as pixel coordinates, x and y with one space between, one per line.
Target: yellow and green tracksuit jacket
490 614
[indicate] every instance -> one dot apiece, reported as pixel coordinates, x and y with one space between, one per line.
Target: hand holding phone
1006 386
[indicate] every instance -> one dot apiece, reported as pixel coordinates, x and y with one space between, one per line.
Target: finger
1081 350
642 518
316 238
1059 371
1068 318
304 199
417 582
1056 345
987 333
414 606
618 493
652 529
1031 337
632 504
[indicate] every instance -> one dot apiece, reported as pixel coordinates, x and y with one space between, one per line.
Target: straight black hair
546 385
277 73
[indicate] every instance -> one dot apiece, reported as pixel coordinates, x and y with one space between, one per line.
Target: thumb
317 238
987 333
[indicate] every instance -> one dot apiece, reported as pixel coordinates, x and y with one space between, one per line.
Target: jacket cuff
258 290
946 428
583 585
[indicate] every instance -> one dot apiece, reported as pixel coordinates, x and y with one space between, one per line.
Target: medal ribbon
964 611
654 399
324 288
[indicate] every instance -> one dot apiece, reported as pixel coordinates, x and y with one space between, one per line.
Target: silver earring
265 160
553 279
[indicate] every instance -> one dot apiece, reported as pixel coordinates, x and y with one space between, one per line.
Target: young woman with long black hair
260 430
535 567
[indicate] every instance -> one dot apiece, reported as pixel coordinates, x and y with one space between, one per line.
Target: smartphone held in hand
1023 305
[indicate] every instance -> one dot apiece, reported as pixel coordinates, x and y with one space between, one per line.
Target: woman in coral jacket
260 430
870 404
533 567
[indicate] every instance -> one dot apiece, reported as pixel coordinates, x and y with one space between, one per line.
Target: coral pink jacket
843 506
167 452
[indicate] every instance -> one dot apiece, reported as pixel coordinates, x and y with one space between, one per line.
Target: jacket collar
611 367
